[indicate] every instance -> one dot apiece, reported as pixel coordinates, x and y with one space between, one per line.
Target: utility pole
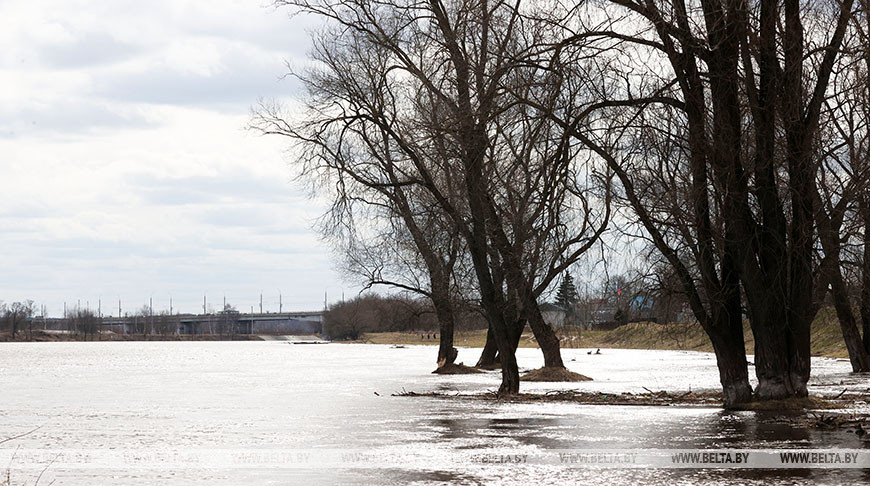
280 304
261 302
203 304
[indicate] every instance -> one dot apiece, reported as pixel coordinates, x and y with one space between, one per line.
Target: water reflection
605 428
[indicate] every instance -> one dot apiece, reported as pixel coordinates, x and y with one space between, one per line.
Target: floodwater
272 413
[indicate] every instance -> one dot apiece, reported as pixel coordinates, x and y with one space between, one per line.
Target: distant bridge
283 323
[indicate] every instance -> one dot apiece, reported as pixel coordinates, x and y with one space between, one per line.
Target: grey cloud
91 50
69 116
234 88
245 217
229 185
104 249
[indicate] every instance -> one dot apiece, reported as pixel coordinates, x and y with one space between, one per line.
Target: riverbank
826 339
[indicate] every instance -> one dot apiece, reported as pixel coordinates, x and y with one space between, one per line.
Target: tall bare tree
843 183
414 104
726 97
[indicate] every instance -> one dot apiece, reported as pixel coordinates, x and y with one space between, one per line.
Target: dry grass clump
552 373
456 369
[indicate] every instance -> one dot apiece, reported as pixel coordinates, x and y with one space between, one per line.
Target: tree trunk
446 352
864 200
858 355
728 345
492 298
525 303
726 336
547 339
829 228
781 350
865 280
488 358
771 359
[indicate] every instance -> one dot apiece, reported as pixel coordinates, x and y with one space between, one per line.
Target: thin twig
20 435
46 468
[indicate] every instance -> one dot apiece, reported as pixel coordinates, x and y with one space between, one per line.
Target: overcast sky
125 169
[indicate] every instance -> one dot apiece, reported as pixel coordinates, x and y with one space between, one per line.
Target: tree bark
444 311
489 355
492 298
728 345
544 334
864 199
865 270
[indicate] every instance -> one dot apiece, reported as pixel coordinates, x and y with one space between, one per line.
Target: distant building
553 314
595 312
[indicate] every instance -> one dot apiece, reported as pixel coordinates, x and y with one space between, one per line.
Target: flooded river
276 413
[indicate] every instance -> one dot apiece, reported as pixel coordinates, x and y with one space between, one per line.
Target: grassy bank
827 340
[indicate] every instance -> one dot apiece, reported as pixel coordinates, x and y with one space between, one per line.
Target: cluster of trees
146 322
83 322
476 149
374 313
16 317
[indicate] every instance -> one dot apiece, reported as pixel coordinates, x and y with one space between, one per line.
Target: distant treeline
14 317
373 313
84 323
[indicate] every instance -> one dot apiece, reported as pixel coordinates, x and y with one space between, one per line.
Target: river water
276 413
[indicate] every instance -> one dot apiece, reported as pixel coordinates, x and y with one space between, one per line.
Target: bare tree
425 87
165 324
83 322
143 320
707 113
349 320
16 315
843 182
228 320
